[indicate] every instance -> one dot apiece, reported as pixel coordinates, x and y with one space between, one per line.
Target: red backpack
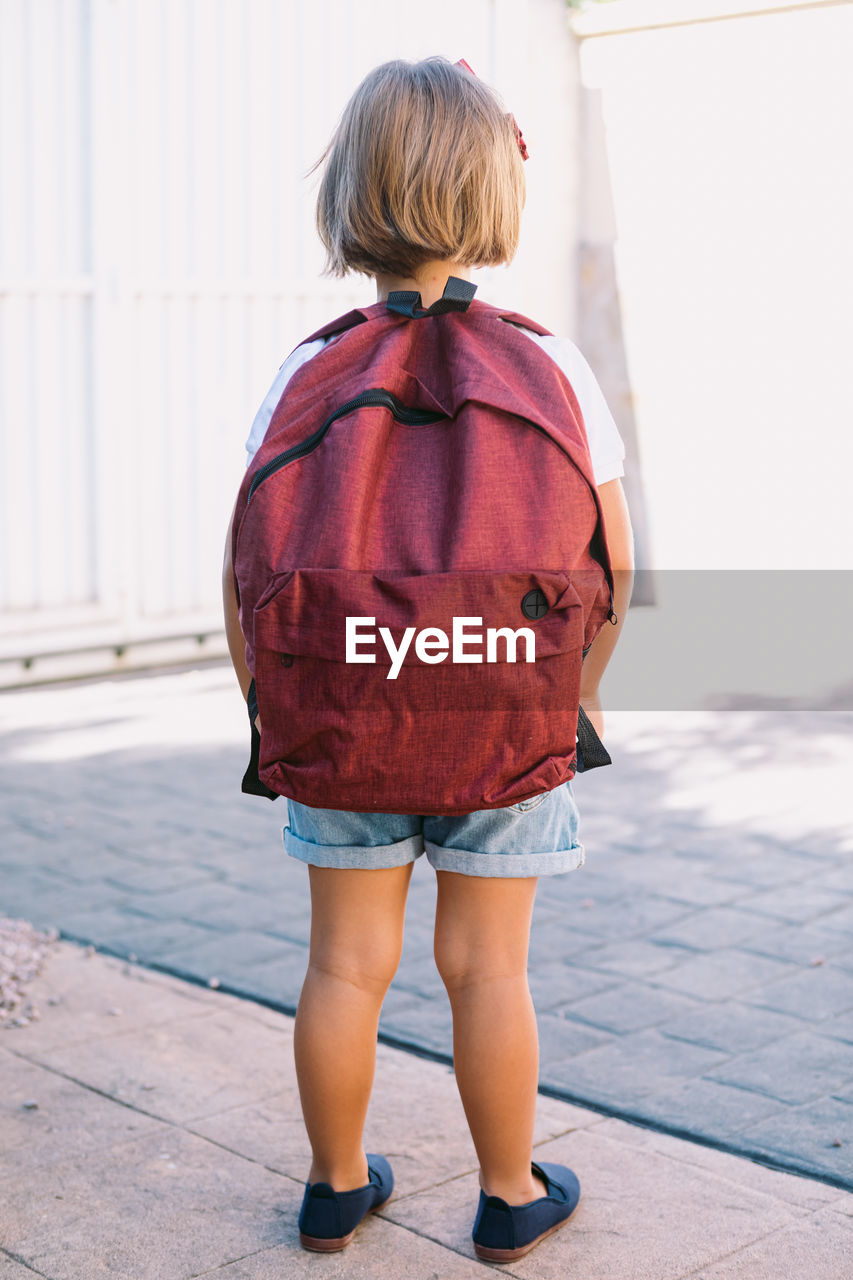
421 566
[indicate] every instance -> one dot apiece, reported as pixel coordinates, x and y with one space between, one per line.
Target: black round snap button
534 604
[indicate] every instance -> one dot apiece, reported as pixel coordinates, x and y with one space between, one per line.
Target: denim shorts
536 837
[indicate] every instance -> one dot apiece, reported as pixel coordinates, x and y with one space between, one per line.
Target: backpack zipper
402 413
376 396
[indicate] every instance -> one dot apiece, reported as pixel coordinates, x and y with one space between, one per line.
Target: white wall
158 260
718 194
726 142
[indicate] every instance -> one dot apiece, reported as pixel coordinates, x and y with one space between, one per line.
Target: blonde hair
424 163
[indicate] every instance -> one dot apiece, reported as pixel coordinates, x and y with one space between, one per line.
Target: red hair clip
522 145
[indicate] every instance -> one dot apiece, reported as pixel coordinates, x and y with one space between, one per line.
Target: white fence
158 260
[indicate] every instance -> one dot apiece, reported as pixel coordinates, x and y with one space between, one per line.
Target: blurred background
687 224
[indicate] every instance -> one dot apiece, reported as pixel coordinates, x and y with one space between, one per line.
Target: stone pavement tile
705 1108
216 905
136 877
413 1021
553 939
94 1003
419 976
161 1205
710 929
839 877
798 1068
770 867
690 886
555 983
631 914
120 929
380 1248
799 903
426 1143
636 958
631 1067
560 1037
804 944
843 959
657 869
292 919
597 884
233 957
258 871
75 861
77 821
628 1006
183 1069
603 828
807 1193
819 1247
810 1131
639 1215
278 980
149 940
731 1027
570 925
69 1120
814 994
22 850
45 899
12 1270
703 891
635 916
163 844
693 840
715 975
840 920
839 1028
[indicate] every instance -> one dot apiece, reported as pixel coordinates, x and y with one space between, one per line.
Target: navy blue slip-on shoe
504 1232
328 1218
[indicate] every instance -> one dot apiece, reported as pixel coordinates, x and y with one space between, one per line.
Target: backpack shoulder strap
408 304
348 321
513 317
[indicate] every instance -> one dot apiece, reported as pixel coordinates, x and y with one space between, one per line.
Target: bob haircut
424 163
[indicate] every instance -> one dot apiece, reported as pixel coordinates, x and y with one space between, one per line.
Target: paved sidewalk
152 1132
696 973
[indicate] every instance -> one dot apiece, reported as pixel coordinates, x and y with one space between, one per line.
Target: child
424 180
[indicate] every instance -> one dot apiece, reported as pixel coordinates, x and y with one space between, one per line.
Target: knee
368 969
464 962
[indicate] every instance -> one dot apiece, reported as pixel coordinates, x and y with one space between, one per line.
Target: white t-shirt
606 447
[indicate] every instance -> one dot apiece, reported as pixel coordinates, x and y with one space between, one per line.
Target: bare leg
356 937
482 933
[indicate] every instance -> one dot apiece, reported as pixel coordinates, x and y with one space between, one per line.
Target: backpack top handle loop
457 296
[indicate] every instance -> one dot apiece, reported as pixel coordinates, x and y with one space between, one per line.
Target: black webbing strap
252 785
592 752
457 296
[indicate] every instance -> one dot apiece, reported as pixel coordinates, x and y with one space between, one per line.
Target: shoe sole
486 1254
320 1244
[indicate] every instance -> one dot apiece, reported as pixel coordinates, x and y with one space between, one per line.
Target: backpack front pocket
417 693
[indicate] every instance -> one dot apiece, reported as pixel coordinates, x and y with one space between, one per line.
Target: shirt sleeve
261 422
606 446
